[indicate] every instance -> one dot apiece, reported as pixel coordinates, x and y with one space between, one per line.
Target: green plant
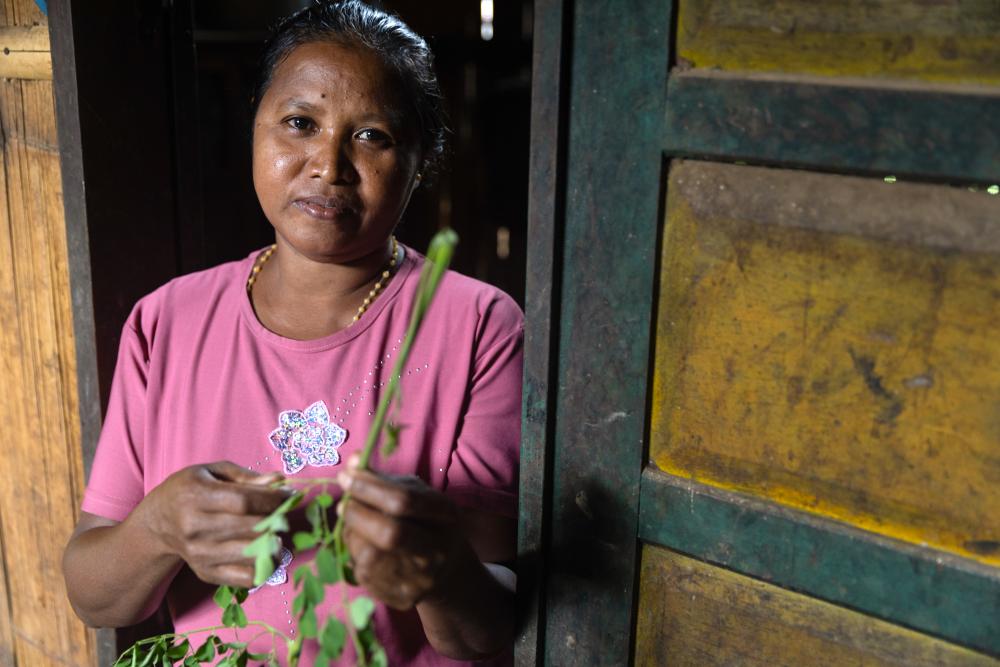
332 561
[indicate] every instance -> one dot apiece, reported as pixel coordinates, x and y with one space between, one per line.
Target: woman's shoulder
190 295
462 298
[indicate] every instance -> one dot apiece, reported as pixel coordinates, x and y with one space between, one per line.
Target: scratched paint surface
945 40
692 613
833 343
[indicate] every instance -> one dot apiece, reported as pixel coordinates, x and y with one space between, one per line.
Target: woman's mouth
326 208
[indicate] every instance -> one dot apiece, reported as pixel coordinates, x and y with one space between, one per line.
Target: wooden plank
692 613
20 13
829 342
613 180
24 52
940 133
945 40
42 481
930 591
546 199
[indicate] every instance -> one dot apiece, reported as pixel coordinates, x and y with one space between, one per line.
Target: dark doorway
482 191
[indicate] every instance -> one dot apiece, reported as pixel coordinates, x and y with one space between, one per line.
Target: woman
271 367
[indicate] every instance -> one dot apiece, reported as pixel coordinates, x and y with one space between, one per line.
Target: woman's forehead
318 68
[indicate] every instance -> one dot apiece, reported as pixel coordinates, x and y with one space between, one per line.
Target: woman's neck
304 299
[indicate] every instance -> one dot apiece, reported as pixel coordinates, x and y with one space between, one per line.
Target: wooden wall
42 478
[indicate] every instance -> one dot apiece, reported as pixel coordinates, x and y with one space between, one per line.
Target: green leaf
314 515
333 638
223 596
303 540
326 567
378 657
361 609
234 616
300 573
178 651
263 550
206 651
391 439
298 604
259 656
324 500
240 594
126 658
312 589
322 659
273 523
307 623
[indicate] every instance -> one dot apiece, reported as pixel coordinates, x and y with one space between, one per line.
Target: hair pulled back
405 53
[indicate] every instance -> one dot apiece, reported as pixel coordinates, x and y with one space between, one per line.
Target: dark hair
403 51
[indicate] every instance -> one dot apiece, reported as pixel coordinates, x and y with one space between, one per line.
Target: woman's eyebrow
296 103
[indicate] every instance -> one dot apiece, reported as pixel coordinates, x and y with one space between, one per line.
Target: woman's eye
373 135
299 124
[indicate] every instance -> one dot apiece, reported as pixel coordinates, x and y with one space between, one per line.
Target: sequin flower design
280 574
307 438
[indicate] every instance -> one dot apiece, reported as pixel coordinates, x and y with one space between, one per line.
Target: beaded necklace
372 295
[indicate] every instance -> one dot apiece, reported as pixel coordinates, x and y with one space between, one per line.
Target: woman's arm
412 548
117 573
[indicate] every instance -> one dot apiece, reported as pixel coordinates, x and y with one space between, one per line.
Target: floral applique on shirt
280 574
307 438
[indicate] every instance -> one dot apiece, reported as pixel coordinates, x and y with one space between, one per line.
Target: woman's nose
333 161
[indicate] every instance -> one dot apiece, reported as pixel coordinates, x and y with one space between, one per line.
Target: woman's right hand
205 514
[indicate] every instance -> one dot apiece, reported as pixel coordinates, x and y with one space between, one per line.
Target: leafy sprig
331 564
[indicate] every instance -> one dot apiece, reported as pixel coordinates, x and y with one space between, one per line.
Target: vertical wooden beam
617 88
546 199
42 478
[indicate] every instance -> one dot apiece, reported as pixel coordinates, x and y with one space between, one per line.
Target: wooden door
762 407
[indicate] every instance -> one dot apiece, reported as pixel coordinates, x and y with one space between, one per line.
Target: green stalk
439 255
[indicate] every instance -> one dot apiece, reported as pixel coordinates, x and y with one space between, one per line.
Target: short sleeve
483 470
116 478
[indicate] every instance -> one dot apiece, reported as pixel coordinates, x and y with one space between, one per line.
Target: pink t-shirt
199 379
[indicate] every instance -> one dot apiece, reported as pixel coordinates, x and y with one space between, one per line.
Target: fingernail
344 480
352 461
340 508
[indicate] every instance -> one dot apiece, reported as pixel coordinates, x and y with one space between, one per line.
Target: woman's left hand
405 538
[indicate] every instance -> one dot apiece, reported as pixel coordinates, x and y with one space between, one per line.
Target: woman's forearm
117 575
474 617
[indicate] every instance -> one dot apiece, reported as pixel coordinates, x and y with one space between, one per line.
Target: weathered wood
941 133
545 218
691 613
931 591
42 479
24 52
829 342
613 177
945 40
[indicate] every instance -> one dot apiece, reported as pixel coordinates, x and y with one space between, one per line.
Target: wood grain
945 40
41 481
829 342
691 613
24 52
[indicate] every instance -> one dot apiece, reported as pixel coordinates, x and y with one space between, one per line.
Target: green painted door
762 391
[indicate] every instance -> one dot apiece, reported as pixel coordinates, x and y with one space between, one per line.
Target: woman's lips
326 208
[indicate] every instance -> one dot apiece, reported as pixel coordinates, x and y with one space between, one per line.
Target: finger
240 498
233 575
227 471
409 498
386 532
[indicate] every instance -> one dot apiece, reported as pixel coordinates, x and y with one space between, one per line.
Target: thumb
228 471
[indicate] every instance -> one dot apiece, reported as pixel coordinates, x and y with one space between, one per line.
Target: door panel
948 40
830 342
691 613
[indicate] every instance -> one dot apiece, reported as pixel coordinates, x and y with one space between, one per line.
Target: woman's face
334 158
